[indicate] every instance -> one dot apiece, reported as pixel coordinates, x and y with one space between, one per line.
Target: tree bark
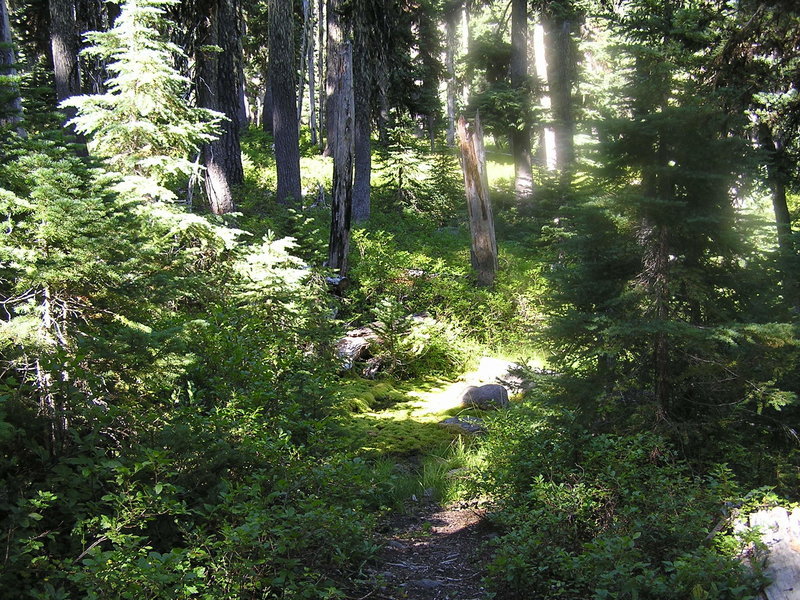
64 44
561 57
362 83
218 89
450 24
301 92
268 106
521 136
312 83
545 155
481 219
342 104
284 116
321 71
11 112
383 102
337 34
66 67
776 175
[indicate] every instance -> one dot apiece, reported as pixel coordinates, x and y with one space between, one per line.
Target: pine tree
143 125
651 265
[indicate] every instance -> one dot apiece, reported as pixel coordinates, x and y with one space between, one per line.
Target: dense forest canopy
200 197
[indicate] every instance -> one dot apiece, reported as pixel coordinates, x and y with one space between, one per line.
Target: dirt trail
433 553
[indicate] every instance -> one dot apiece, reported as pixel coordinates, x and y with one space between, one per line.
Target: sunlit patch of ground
411 426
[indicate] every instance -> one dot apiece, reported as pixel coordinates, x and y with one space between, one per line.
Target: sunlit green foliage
143 125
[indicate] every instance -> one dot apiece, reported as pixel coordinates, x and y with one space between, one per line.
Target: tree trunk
268 106
66 68
301 92
362 82
561 69
337 34
521 136
450 24
546 152
341 103
429 52
383 103
312 83
321 71
243 113
481 220
11 108
776 175
64 44
218 89
284 116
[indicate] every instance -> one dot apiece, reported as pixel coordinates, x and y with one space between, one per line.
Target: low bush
606 516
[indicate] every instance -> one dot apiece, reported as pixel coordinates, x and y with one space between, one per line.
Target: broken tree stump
476 184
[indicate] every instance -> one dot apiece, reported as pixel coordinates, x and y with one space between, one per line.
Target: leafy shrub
411 346
606 516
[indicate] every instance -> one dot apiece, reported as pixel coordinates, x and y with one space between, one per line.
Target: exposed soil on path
431 553
434 552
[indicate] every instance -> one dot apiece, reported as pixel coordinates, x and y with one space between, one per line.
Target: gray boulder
485 397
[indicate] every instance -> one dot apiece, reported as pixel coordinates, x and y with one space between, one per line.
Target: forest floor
431 551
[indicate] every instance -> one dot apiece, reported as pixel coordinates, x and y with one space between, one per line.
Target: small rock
395 545
472 425
425 584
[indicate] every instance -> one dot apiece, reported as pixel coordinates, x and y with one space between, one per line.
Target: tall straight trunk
655 238
521 136
362 91
268 106
11 110
481 219
64 45
321 28
312 82
284 115
243 109
341 207
429 51
218 89
301 92
546 154
337 34
561 57
776 175
383 102
466 44
450 25
66 67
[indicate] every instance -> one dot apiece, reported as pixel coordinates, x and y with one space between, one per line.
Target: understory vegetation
177 418
179 425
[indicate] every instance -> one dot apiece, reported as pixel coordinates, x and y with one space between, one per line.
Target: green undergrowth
395 426
595 515
399 419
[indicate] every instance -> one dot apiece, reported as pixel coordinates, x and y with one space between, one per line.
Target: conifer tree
143 125
655 254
